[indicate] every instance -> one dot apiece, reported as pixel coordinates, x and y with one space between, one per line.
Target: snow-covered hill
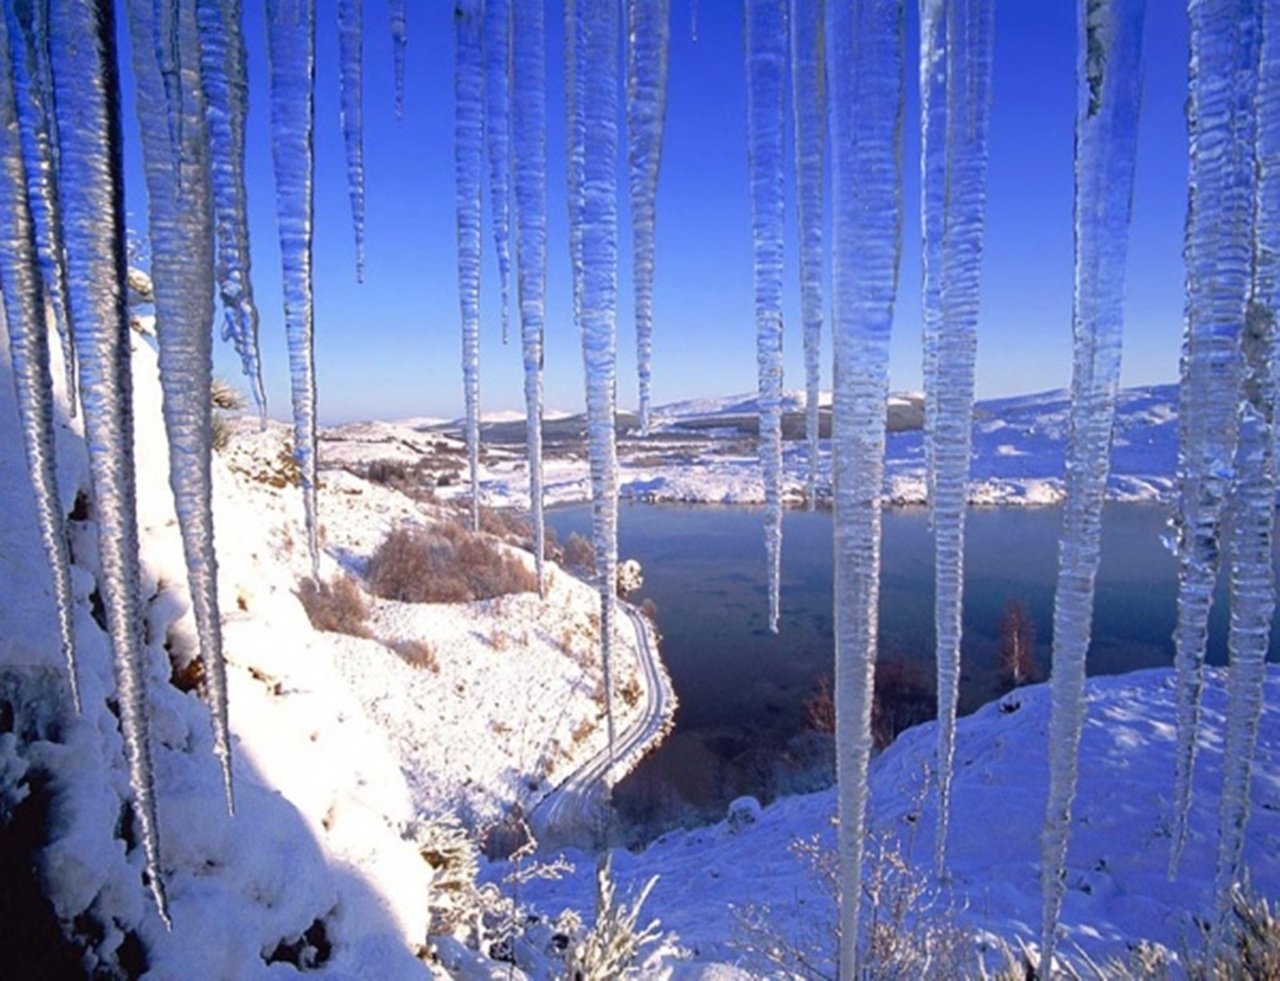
703 450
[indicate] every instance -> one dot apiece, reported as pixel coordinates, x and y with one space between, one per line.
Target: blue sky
391 347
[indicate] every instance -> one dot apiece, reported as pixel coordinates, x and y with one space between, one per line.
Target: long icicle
933 165
1108 94
291 33
351 57
809 110
962 200
33 84
766 46
399 17
1253 492
87 97
648 41
497 131
596 219
1218 253
468 161
23 293
181 233
226 94
864 79
529 155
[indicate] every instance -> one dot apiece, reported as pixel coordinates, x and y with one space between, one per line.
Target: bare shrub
910 932
612 946
336 606
444 564
223 395
413 480
418 653
579 554
820 708
903 698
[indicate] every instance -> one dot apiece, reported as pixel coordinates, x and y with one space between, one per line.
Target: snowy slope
1118 891
341 747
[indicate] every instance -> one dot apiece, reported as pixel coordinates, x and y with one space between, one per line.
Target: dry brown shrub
579 554
444 564
337 606
418 653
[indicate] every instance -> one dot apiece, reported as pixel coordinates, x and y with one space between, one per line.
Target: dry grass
445 564
337 606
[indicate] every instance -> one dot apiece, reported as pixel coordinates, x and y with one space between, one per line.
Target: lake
741 727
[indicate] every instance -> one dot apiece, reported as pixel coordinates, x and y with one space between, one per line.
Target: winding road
567 815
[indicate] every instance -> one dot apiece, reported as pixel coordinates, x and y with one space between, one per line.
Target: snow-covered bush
743 813
445 564
611 948
630 577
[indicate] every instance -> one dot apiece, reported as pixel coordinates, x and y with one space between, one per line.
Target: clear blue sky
391 347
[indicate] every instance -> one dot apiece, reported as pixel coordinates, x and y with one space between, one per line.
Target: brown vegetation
444 564
337 606
579 554
903 697
418 653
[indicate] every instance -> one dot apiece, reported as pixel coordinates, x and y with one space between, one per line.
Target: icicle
1252 602
648 39
291 29
1108 93
23 294
468 160
1253 492
1218 254
574 84
766 37
181 234
351 47
933 158
399 42
29 42
958 191
594 224
864 79
497 129
809 109
529 155
87 100
226 92
693 21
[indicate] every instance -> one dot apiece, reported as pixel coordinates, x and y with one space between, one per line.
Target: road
567 815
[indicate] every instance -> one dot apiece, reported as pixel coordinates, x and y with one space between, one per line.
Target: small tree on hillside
1017 665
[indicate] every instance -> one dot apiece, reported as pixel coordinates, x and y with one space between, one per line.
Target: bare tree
1017 665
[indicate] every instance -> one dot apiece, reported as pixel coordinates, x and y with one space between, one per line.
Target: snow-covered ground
713 880
703 451
341 748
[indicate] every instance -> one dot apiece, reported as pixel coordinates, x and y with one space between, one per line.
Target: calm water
739 728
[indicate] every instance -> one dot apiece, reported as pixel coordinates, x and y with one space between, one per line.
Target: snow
1117 886
340 746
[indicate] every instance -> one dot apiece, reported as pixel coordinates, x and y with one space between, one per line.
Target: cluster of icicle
62 215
